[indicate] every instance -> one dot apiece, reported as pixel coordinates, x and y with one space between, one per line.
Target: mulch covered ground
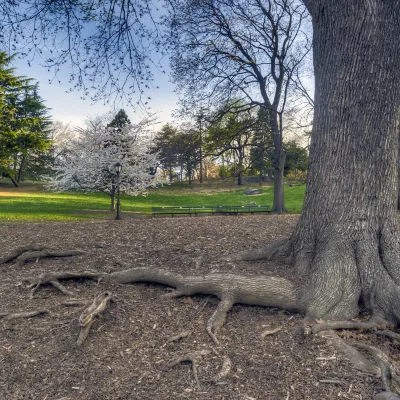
128 346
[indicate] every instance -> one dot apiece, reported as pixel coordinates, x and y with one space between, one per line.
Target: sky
70 108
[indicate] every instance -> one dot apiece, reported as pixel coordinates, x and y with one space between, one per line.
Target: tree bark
278 164
346 240
21 168
12 180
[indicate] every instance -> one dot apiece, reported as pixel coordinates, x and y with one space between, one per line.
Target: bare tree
107 44
246 50
233 136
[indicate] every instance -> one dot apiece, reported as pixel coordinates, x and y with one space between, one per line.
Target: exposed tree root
37 255
389 380
88 316
193 358
74 303
54 279
27 314
225 370
386 396
389 334
357 359
381 365
18 251
325 326
231 289
218 318
177 337
275 250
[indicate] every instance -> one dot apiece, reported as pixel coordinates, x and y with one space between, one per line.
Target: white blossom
90 165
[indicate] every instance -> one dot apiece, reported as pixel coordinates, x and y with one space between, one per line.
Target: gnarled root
359 361
389 380
33 252
218 319
18 251
88 316
325 326
54 279
281 249
37 255
380 365
193 358
27 314
231 289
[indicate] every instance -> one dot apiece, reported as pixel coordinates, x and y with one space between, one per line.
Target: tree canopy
24 123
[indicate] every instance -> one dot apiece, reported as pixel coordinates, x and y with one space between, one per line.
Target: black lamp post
118 168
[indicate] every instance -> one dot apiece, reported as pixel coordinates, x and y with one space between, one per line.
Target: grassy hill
32 202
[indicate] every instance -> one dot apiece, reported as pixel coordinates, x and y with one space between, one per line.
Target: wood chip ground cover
128 346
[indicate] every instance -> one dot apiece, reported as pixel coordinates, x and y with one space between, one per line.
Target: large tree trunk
346 240
278 163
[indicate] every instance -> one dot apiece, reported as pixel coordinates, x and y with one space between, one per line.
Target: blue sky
69 107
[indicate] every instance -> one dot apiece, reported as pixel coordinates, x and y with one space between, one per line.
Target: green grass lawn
31 203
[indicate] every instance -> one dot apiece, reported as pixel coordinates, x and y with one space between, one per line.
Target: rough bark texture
231 289
278 164
346 239
262 291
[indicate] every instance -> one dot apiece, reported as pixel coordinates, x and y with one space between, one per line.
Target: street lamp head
118 167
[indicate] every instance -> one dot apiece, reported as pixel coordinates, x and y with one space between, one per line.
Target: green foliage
230 139
119 121
188 148
223 171
165 146
296 176
296 157
41 205
24 123
177 150
262 145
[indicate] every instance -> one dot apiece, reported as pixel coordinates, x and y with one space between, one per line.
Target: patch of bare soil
128 345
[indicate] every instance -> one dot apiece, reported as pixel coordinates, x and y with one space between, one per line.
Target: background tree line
224 144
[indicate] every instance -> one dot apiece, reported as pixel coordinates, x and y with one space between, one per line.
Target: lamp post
118 168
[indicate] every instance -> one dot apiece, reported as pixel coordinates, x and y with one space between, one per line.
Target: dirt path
127 347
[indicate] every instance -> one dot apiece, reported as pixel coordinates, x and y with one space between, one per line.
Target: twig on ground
87 318
192 358
225 369
74 302
270 332
177 337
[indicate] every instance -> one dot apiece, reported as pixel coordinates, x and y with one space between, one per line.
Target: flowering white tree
90 165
